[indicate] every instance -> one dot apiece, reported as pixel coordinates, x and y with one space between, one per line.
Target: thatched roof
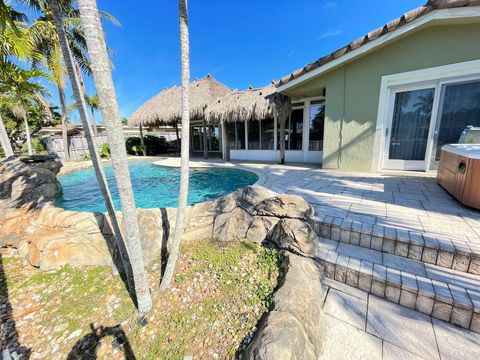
252 104
414 14
165 107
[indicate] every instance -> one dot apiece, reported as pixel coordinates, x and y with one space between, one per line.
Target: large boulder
285 206
29 181
292 329
296 236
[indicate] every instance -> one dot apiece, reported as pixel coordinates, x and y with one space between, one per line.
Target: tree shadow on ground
165 235
86 348
118 267
10 347
281 263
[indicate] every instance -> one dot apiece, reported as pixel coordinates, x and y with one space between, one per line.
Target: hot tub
459 172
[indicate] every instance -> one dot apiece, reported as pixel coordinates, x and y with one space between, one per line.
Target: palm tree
19 93
78 94
102 74
93 104
183 195
46 44
4 140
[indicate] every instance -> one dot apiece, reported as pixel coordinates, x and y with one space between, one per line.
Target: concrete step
446 294
444 251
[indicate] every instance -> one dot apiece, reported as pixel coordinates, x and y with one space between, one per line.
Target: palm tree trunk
63 105
107 197
183 195
282 140
29 140
102 74
4 140
94 123
82 87
142 142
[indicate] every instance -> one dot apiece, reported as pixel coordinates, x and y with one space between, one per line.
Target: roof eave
434 16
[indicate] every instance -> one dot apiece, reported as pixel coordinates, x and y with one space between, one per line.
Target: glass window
267 134
317 119
460 108
236 135
253 135
295 130
213 137
410 125
197 140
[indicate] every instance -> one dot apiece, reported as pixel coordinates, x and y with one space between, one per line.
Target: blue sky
239 42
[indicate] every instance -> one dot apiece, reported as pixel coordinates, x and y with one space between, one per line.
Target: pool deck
356 215
405 200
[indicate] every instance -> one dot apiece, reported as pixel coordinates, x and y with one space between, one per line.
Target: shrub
153 144
38 147
105 152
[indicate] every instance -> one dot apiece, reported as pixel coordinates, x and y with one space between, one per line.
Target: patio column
226 154
142 143
176 132
205 150
282 139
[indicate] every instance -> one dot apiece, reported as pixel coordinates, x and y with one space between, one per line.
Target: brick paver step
446 294
446 251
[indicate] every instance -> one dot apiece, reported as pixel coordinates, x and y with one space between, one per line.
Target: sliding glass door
459 108
424 118
408 129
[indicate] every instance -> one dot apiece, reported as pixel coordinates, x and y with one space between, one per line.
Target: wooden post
142 142
282 140
205 150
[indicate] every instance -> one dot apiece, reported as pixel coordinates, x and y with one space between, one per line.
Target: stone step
445 251
446 294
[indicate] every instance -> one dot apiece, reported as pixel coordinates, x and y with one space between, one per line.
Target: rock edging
49 237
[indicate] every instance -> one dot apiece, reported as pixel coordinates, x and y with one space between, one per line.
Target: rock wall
292 328
49 237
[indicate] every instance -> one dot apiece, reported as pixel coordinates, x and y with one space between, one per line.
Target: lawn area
219 294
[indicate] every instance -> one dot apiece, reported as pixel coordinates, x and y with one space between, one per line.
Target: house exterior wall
352 90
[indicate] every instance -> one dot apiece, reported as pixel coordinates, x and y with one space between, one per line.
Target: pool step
458 255
446 294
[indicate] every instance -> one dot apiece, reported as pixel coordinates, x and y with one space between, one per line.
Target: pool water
153 186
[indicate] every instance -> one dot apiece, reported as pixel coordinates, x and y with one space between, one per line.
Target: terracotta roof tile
431 5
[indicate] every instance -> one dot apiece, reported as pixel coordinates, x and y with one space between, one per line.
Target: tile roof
406 18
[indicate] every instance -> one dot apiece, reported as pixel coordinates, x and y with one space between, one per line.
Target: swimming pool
153 186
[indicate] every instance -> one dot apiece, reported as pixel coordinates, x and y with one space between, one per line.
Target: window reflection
254 135
236 135
267 135
317 120
459 108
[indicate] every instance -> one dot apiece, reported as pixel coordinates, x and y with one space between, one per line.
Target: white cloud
330 33
330 5
291 53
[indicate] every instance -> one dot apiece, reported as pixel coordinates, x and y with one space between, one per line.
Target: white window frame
440 75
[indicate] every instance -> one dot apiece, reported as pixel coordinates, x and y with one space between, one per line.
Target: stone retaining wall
49 237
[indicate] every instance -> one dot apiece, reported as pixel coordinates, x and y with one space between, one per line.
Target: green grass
221 291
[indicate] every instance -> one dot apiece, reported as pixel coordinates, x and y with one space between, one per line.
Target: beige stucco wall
352 93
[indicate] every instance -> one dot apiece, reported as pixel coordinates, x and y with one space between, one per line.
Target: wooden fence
77 144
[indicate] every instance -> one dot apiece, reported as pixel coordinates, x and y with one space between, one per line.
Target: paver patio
399 254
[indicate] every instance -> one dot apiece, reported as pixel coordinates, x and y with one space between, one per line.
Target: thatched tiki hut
262 110
165 109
